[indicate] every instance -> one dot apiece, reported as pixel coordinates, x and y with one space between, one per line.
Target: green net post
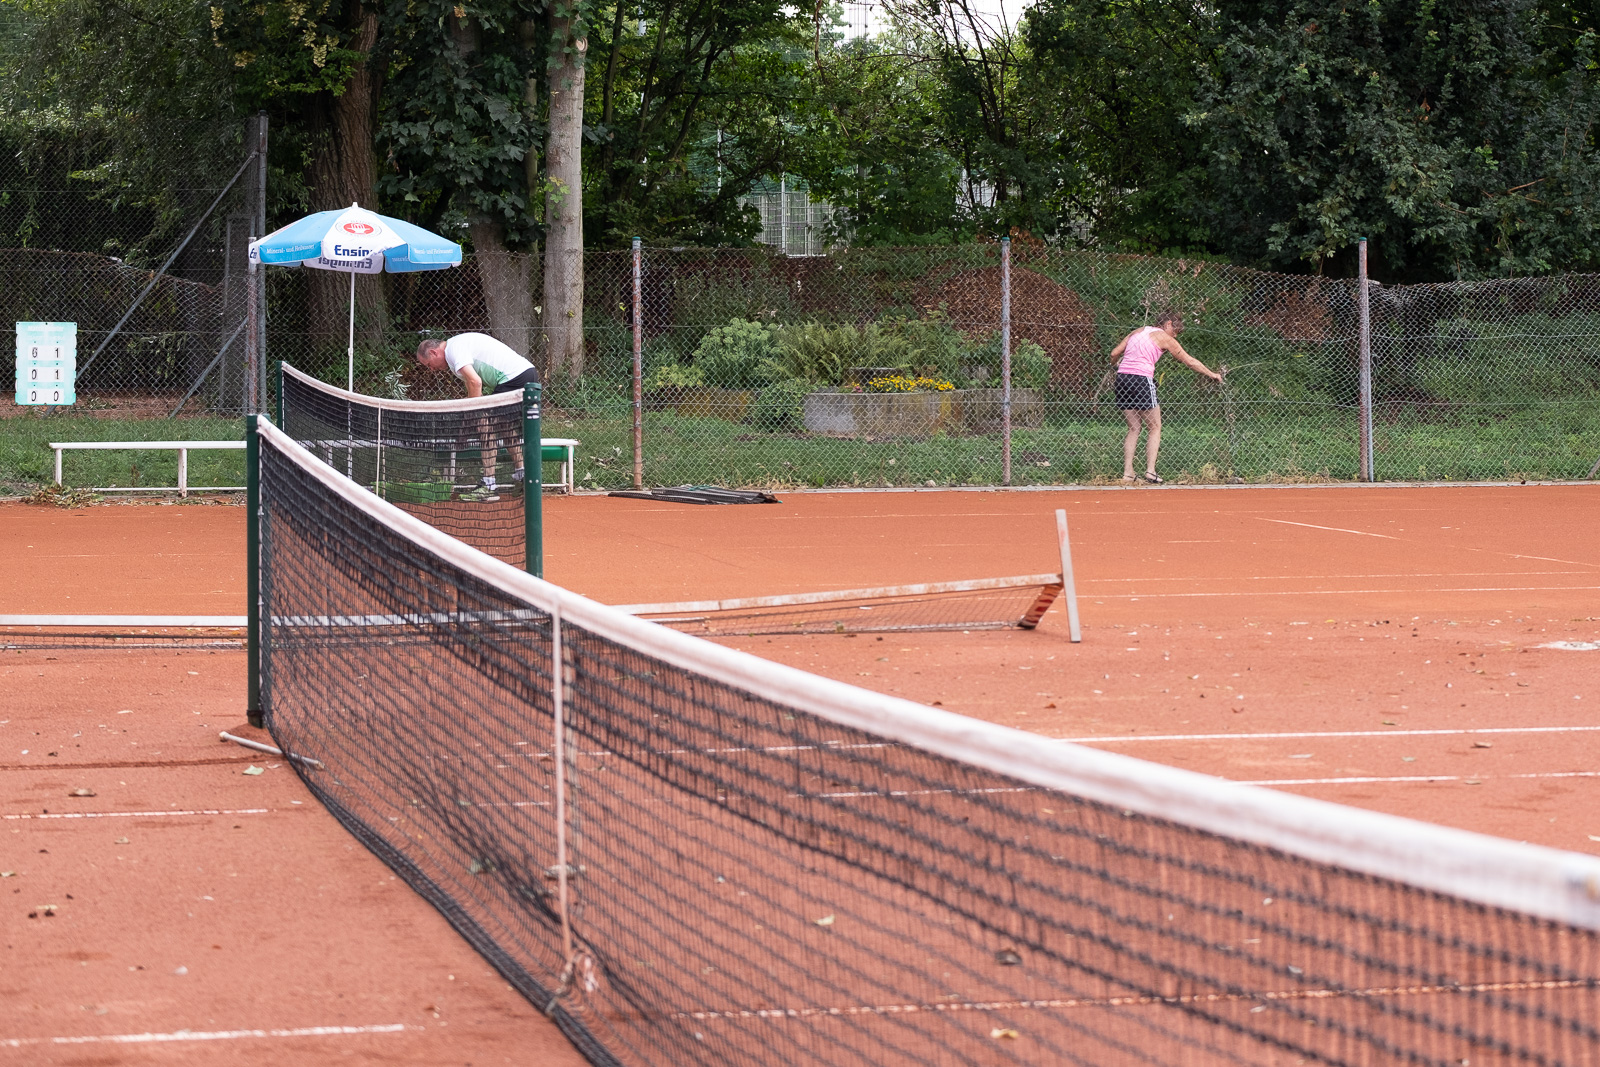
278 408
252 570
532 480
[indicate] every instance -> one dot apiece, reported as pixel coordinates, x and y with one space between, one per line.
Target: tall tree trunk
506 276
507 279
344 172
563 205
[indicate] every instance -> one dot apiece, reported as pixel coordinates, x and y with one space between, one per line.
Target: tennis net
428 458
685 854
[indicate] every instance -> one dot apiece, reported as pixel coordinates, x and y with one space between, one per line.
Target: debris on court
253 769
826 920
62 497
1006 1034
82 792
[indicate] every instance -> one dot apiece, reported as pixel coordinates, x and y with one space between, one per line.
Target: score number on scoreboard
47 362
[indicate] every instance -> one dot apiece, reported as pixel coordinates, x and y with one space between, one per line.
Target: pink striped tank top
1140 356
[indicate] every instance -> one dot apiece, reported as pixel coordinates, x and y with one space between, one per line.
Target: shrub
1030 364
737 356
781 405
816 353
674 376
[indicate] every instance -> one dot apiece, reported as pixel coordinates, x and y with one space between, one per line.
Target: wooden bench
183 449
552 450
559 450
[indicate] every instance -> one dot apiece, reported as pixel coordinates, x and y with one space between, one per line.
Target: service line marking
1390 537
1335 529
138 814
1356 592
205 1035
1108 739
1331 577
1415 778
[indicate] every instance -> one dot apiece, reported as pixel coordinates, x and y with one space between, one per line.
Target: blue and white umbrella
355 241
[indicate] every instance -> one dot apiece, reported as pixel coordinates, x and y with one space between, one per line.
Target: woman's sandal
1128 479
1155 479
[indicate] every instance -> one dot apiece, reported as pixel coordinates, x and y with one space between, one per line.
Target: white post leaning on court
1364 342
1005 360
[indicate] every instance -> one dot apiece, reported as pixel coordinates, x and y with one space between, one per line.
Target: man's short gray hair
427 344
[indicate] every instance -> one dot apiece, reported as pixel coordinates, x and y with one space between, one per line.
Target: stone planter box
842 414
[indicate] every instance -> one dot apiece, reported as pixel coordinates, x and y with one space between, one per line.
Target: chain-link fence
152 269
874 367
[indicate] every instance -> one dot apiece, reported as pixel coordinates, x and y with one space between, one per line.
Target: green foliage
781 405
1116 77
459 128
687 106
816 352
1030 364
738 355
1439 131
674 376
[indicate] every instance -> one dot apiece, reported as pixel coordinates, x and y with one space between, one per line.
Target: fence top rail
58 445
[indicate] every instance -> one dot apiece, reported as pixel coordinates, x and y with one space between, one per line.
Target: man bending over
485 366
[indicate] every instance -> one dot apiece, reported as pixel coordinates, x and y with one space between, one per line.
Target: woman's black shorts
1135 392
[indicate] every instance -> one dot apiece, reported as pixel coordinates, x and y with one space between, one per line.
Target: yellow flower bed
899 383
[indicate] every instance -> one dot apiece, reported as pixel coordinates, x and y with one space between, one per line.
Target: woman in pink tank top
1136 388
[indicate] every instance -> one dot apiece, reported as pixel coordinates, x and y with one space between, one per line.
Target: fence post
1005 359
1364 340
260 281
638 374
251 350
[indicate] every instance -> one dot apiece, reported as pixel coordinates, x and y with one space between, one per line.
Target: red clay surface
1342 643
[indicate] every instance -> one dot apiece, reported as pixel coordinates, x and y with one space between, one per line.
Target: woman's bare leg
1152 443
1130 443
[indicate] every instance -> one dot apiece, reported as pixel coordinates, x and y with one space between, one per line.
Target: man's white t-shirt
494 361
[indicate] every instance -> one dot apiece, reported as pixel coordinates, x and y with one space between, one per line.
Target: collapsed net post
778 868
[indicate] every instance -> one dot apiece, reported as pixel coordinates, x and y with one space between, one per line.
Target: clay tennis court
1377 647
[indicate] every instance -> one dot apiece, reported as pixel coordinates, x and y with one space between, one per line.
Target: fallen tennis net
979 604
428 458
685 854
205 632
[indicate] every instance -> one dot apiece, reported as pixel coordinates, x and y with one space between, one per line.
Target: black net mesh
752 883
429 459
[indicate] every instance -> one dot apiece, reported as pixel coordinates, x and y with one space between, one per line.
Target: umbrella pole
350 350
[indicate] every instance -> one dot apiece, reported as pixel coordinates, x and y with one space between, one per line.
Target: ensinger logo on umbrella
358 228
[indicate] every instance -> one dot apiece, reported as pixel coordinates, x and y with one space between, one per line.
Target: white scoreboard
47 362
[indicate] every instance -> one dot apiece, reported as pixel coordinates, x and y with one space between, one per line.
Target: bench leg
183 472
58 466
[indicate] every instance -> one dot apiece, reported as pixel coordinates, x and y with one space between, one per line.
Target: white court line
1390 537
1415 778
1333 577
1335 529
1355 592
204 1035
139 814
1103 739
